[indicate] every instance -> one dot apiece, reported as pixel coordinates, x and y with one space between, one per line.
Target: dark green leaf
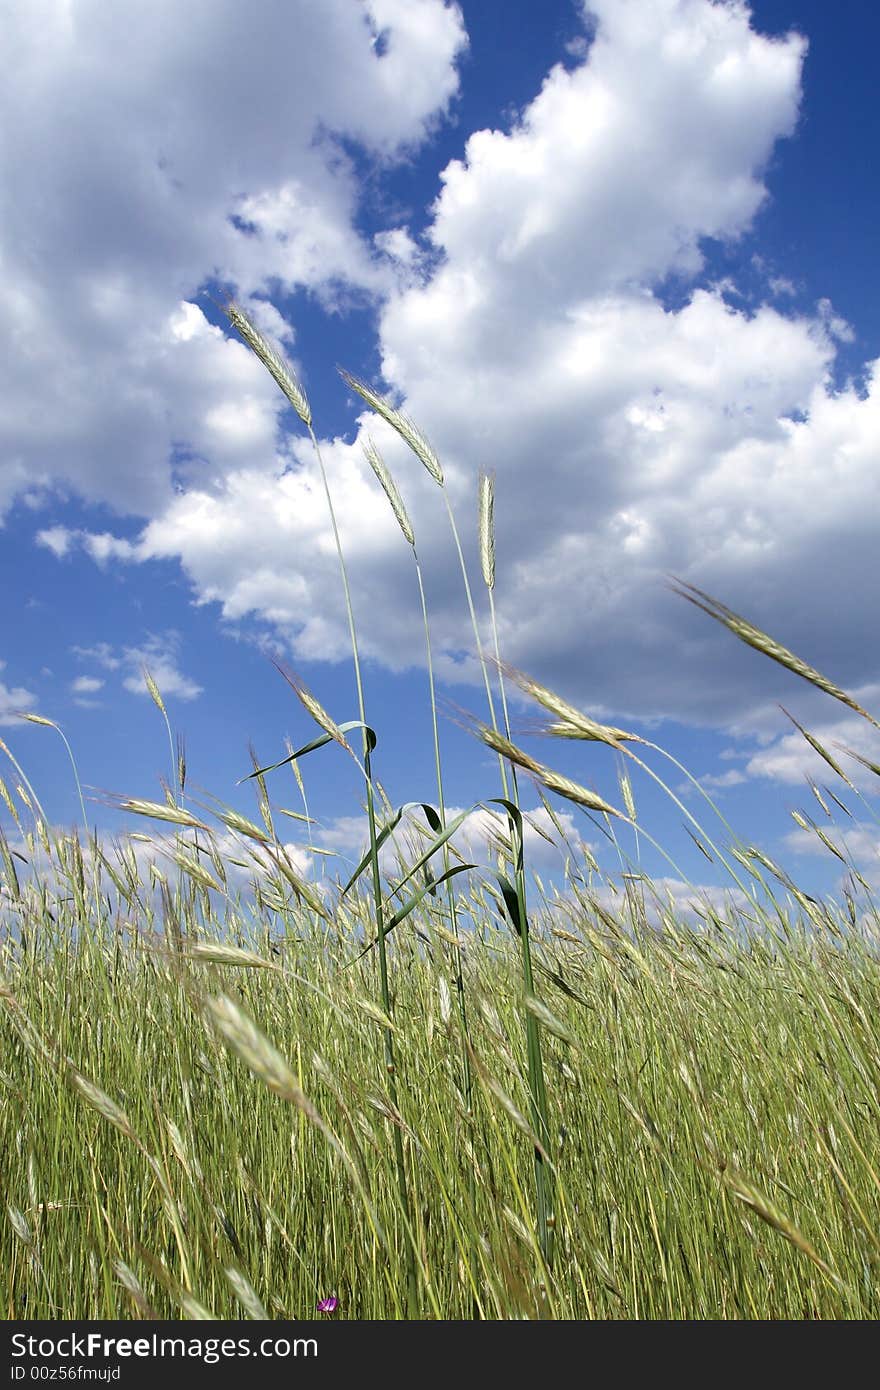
410 904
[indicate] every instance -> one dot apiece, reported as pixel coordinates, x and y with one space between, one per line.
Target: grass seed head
133 1287
19 1224
819 748
98 1100
10 804
487 528
196 871
314 707
627 794
159 811
553 781
573 722
755 637
445 1001
154 691
573 791
242 826
382 472
272 361
242 1035
398 421
499 744
217 953
246 1295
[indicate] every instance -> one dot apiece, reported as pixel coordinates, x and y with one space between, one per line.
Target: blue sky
622 253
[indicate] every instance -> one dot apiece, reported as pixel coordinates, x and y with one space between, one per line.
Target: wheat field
227 1090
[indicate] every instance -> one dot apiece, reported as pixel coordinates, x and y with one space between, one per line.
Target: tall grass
287 381
712 1103
192 1112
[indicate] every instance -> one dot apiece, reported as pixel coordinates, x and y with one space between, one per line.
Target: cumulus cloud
84 688
244 862
151 857
13 700
658 901
790 758
695 903
618 167
722 780
159 655
858 844
477 840
55 538
485 831
182 145
634 432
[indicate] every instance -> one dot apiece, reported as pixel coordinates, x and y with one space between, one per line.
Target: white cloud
690 903
486 830
159 655
719 781
83 688
398 244
13 701
403 254
214 152
146 848
104 546
661 900
477 840
102 652
836 326
55 538
789 758
857 843
618 167
781 285
630 438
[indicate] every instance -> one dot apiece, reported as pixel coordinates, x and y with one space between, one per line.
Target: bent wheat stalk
755 637
427 456
385 478
286 379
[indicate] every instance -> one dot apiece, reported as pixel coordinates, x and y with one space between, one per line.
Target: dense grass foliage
713 1113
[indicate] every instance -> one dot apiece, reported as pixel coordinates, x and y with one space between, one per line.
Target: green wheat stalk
287 381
